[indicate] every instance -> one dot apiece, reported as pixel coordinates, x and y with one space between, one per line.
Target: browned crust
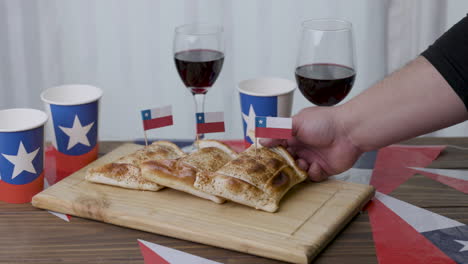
181 174
215 143
258 179
125 171
179 177
207 159
235 190
122 175
172 170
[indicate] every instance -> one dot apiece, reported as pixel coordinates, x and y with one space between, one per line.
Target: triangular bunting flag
156 254
390 169
405 156
64 217
404 233
355 175
457 179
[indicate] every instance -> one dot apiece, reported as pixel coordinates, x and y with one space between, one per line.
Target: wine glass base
190 148
193 147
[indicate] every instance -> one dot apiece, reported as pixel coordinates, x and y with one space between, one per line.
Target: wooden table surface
30 235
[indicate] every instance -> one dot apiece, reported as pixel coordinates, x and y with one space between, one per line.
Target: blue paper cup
21 154
264 97
73 125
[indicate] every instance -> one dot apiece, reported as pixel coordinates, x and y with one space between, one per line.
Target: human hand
320 143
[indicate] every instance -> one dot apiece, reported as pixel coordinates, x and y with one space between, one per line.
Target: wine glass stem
199 107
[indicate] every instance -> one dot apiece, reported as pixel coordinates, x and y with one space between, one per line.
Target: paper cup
21 154
264 97
73 125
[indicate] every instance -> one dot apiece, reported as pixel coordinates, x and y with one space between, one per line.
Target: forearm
410 102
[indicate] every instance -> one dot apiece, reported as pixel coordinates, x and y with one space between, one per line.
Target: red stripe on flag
397 242
210 127
268 132
59 165
150 256
390 167
158 122
18 194
457 184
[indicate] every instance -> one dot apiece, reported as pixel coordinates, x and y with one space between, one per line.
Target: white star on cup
22 161
77 133
250 120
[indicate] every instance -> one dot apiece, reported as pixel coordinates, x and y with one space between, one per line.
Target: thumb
269 142
297 122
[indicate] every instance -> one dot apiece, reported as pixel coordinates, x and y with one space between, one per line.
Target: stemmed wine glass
325 69
199 56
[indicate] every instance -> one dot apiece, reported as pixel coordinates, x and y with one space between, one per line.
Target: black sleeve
449 55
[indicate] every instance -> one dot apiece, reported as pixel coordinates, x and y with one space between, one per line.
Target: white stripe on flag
454 174
212 117
279 122
420 219
161 111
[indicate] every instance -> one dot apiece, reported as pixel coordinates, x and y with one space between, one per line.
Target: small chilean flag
210 122
273 127
157 117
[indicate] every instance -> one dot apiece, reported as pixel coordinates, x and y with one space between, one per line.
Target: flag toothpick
209 122
156 118
272 127
146 138
256 140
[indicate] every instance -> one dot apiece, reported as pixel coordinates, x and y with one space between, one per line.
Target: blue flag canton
260 121
452 241
146 114
200 118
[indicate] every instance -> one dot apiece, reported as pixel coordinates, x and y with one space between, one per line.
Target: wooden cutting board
310 215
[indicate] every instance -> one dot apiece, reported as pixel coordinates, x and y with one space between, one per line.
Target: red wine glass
199 57
325 69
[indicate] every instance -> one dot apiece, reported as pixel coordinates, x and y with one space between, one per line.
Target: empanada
180 174
125 172
257 179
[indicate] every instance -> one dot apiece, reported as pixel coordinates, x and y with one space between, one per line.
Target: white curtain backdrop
125 47
412 26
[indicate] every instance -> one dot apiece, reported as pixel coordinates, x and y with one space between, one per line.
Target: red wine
199 68
325 84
